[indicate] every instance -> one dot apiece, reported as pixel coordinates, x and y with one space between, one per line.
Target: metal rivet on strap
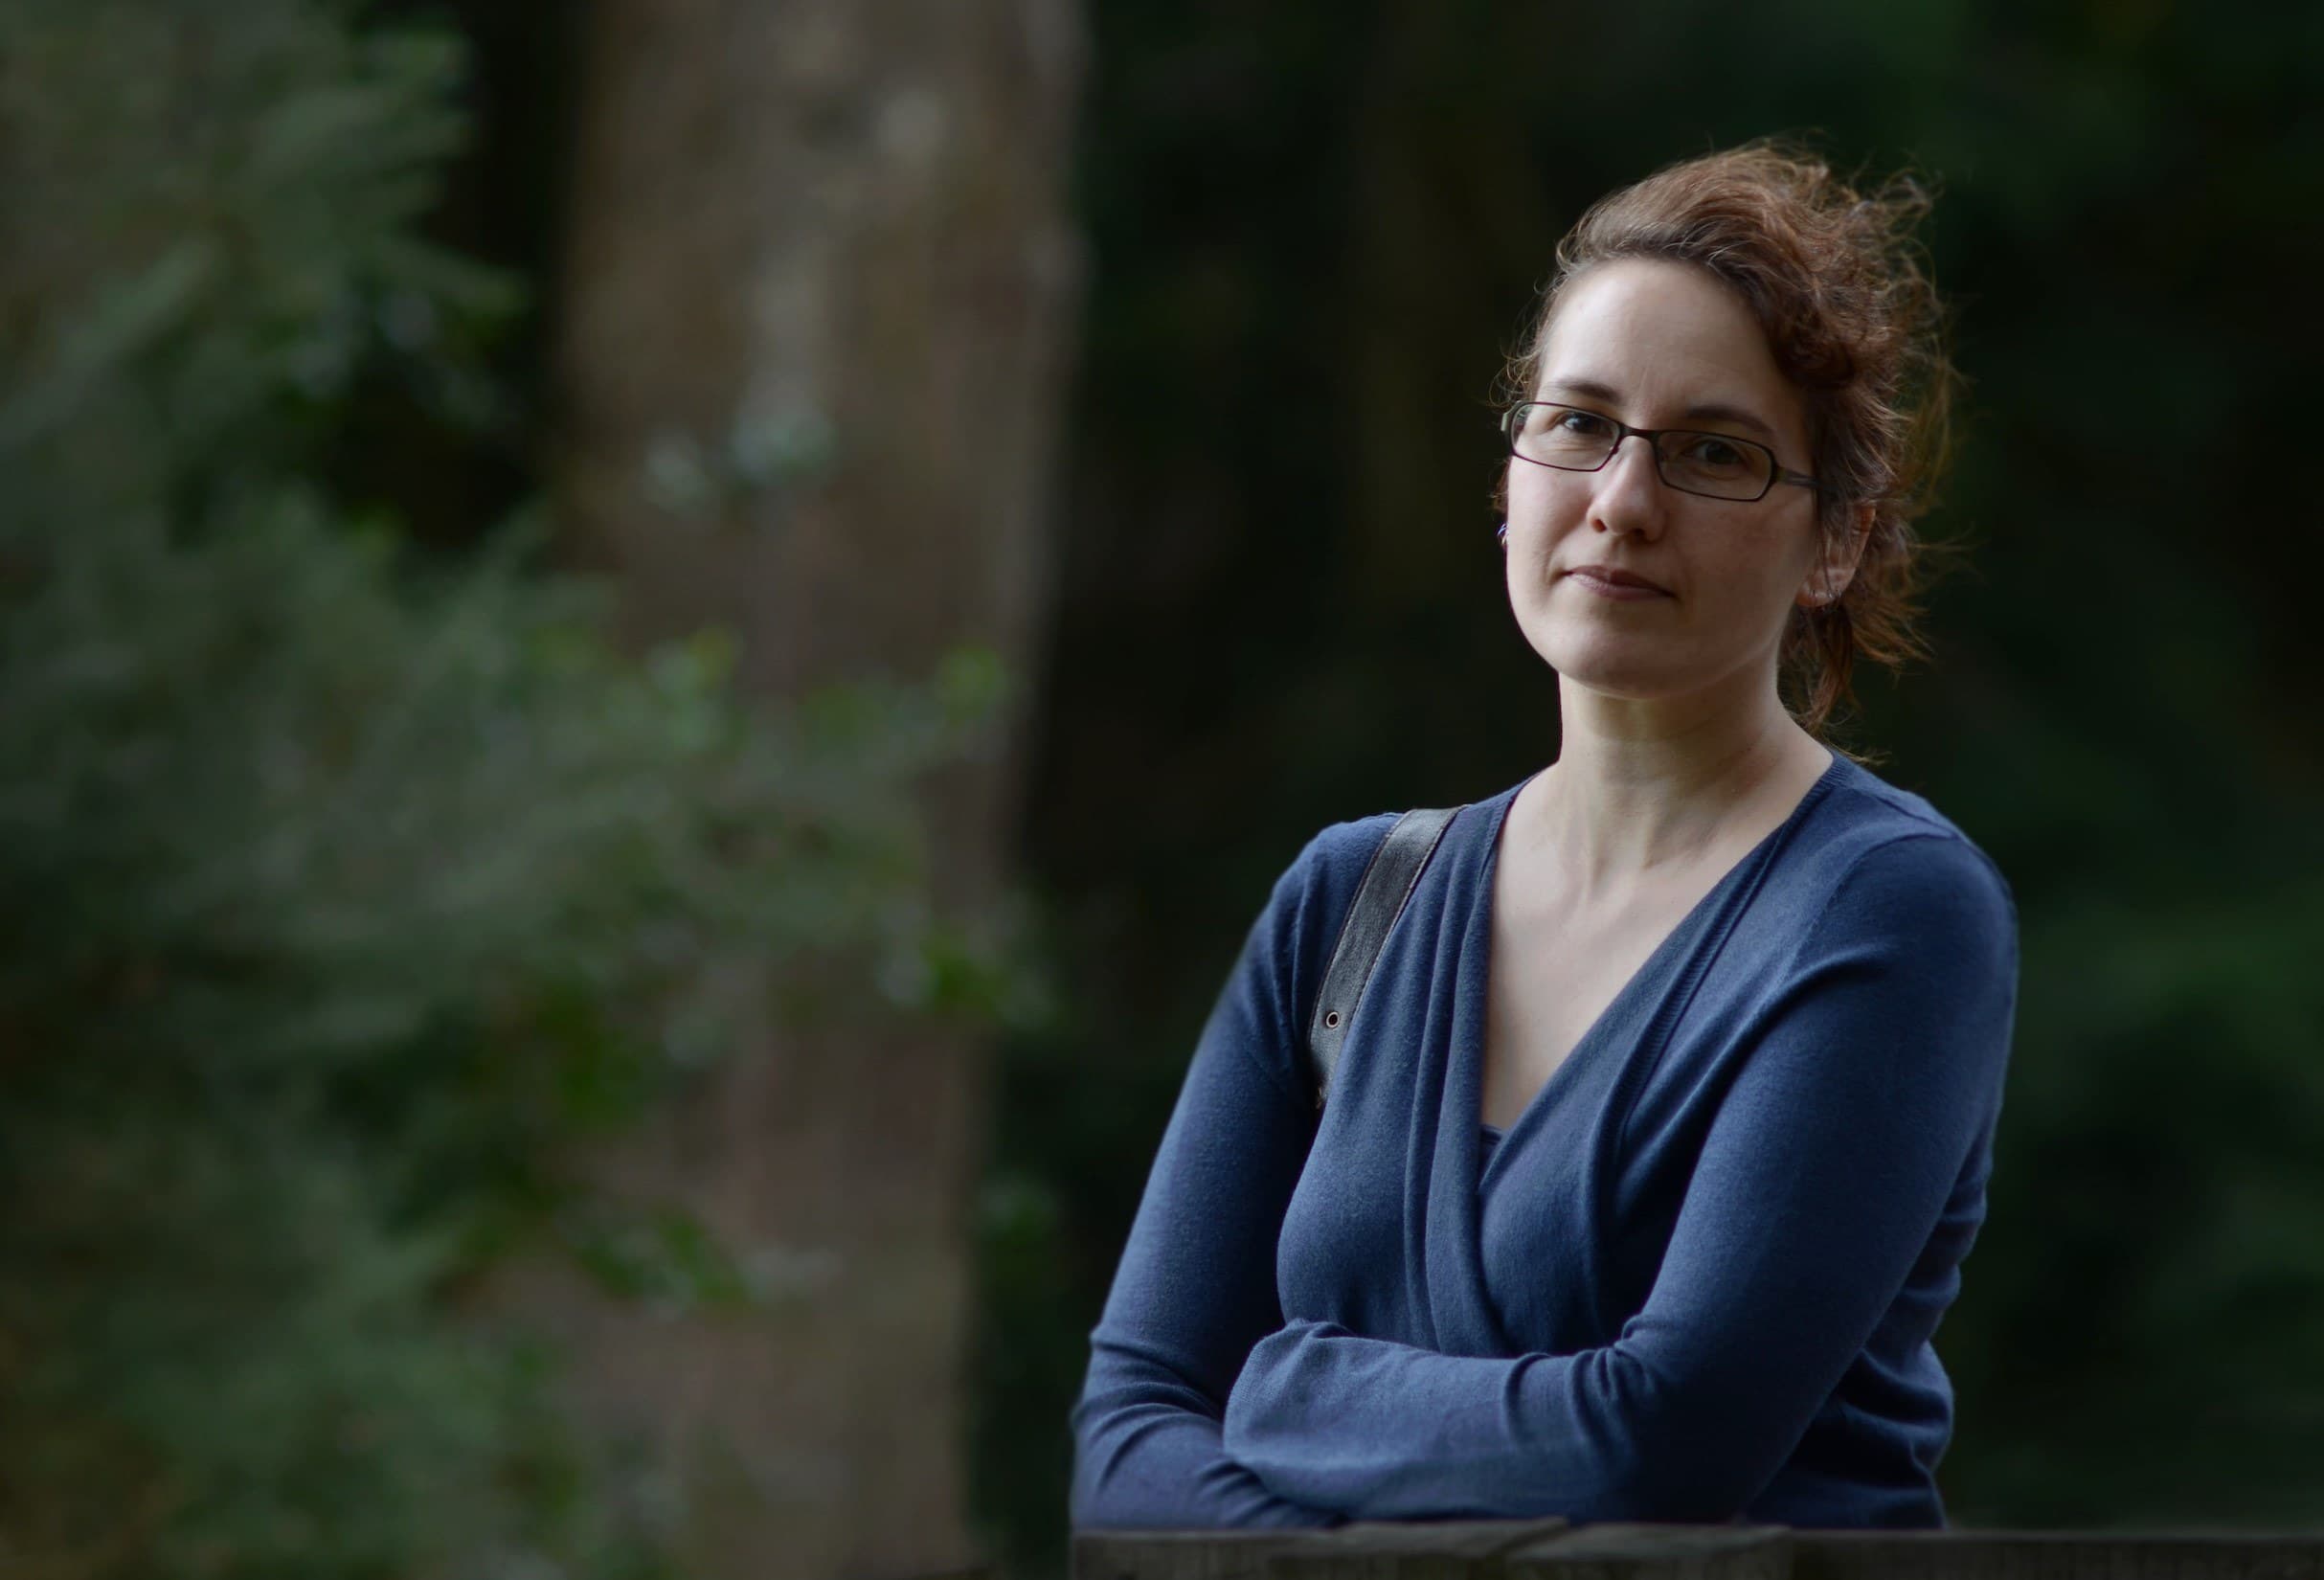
1331 1017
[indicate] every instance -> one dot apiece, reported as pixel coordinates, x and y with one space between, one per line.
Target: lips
1611 576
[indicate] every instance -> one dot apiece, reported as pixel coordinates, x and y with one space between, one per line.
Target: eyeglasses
1576 439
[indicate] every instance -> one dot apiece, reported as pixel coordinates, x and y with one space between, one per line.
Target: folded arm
1196 1286
1820 1178
1195 1290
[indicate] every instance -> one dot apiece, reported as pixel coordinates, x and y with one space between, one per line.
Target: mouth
1615 584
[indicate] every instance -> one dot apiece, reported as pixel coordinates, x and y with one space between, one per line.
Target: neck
1644 785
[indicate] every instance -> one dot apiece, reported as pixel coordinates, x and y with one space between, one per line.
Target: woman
1665 1121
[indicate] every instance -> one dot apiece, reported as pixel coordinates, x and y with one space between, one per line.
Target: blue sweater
1696 1280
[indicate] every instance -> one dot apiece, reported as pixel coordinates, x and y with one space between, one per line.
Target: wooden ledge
1550 1549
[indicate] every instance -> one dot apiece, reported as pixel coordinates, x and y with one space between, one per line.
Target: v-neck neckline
1471 1050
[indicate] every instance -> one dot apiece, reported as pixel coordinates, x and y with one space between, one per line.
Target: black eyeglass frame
1777 471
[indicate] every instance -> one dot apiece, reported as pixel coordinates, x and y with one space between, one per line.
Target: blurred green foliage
1317 229
346 892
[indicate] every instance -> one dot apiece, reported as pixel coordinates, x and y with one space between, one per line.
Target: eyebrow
1708 411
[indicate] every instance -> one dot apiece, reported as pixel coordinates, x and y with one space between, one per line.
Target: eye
1564 436
1713 455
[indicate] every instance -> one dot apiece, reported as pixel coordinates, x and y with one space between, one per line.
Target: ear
1836 563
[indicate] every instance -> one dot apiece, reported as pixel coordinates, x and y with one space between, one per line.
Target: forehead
1666 338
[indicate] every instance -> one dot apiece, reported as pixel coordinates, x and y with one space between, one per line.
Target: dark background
1317 234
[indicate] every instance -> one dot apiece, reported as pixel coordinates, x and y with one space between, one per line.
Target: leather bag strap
1388 883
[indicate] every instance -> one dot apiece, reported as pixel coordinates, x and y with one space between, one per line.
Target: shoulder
1312 895
1882 860
1324 879
1340 851
1315 895
1270 995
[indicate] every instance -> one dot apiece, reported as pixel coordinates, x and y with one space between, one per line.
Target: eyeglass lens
1579 440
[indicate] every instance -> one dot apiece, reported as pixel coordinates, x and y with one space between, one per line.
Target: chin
1619 663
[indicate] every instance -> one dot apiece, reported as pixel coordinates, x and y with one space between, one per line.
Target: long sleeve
1864 1088
1196 1286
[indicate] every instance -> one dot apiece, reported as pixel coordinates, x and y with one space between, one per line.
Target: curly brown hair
1843 290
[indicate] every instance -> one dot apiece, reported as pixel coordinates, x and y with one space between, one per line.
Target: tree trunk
818 289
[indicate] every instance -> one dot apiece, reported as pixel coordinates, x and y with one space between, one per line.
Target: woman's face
1661 345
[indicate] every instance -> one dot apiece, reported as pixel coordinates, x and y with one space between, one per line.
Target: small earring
1503 533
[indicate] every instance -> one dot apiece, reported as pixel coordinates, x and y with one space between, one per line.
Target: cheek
1541 514
1532 493
1784 556
1749 588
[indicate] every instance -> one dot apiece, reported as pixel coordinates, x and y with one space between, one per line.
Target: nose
1629 496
